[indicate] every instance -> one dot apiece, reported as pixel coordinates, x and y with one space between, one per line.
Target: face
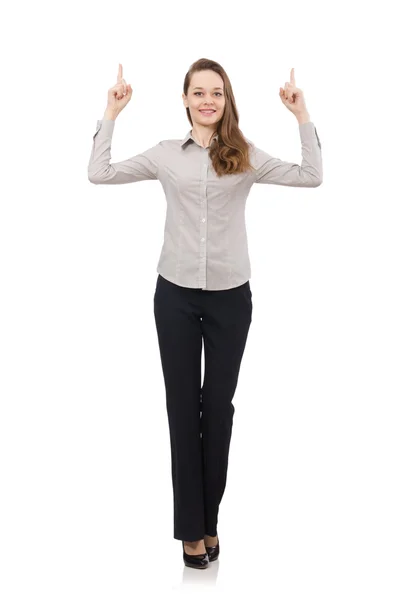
209 95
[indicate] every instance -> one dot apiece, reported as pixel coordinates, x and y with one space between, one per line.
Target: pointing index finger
120 73
292 77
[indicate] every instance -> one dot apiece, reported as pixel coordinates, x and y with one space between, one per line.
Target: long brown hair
230 153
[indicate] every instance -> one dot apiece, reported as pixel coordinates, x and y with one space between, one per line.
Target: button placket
203 223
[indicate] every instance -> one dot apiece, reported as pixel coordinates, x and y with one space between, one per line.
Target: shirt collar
188 137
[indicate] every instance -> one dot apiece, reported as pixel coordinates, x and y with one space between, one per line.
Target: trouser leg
226 321
180 343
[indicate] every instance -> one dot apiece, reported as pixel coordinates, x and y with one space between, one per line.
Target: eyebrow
200 88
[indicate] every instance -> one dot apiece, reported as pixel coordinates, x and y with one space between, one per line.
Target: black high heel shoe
213 551
197 561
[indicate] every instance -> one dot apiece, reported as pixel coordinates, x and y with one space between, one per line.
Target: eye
220 93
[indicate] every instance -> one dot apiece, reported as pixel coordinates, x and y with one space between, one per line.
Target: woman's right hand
120 94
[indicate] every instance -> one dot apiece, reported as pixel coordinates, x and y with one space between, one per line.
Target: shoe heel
213 552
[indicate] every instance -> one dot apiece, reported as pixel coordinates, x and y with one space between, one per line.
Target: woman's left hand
292 97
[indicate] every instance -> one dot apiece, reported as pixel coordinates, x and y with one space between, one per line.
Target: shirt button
202 239
203 220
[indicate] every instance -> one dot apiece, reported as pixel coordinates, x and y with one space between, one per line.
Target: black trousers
200 418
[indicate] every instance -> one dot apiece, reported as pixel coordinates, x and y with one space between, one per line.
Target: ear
184 98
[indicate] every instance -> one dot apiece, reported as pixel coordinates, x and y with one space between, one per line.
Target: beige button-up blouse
205 239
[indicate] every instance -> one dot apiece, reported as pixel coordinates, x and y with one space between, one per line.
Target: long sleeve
137 168
278 172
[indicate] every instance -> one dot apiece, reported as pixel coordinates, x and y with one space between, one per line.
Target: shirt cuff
106 125
307 130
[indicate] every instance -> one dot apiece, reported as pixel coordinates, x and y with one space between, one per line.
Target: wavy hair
230 152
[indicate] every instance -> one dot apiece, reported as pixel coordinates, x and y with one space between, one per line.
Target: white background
309 509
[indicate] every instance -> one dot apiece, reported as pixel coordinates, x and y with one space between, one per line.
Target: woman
203 293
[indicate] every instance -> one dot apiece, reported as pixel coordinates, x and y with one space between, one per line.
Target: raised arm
279 172
142 166
137 168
